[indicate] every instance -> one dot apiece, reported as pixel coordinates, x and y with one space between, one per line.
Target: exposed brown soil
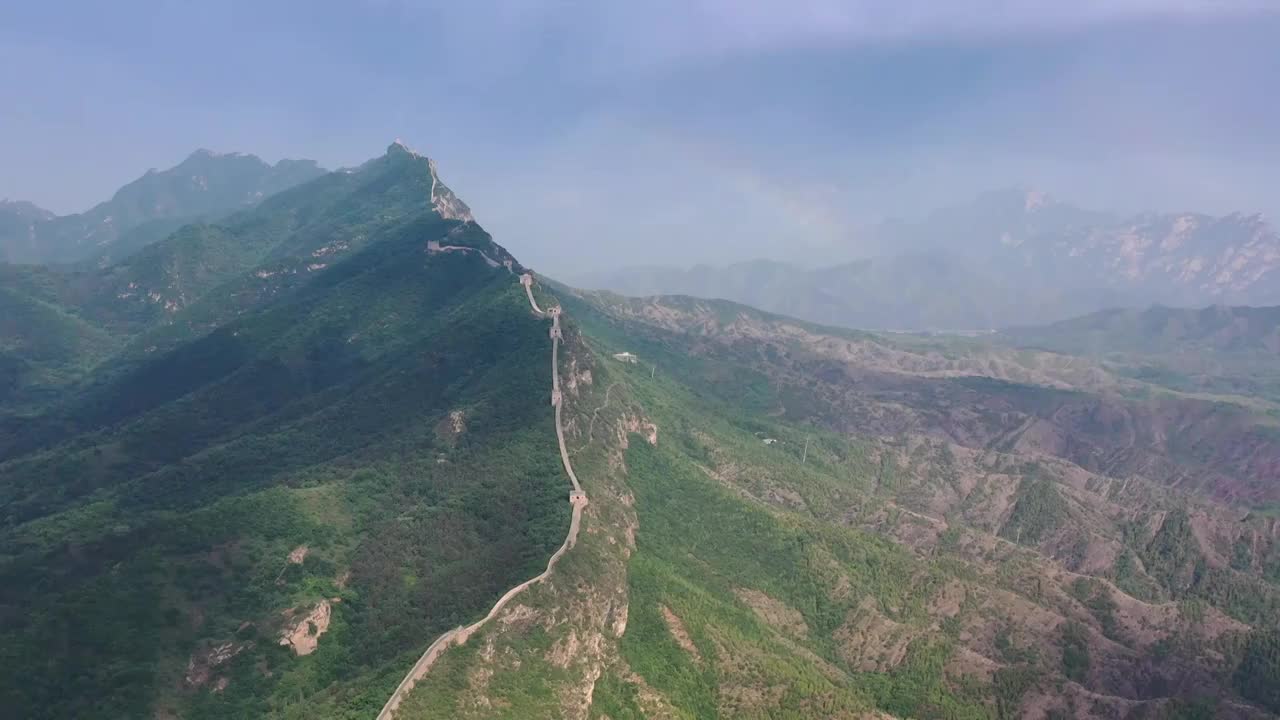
774 612
302 635
681 635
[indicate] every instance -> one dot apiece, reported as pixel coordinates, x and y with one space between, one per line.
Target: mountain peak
204 184
446 204
204 157
399 147
22 208
1034 199
205 154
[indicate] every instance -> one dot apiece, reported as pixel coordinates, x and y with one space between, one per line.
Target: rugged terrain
1218 350
1008 258
205 185
259 467
277 491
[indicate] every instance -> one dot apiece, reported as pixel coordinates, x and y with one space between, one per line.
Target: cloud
605 37
678 127
760 21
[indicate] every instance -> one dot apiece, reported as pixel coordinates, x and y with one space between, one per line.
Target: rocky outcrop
302 634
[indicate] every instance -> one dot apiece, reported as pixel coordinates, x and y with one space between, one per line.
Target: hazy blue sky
602 133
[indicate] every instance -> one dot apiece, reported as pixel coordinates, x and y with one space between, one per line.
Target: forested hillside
202 187
259 467
267 500
817 522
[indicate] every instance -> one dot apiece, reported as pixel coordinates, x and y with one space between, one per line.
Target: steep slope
768 537
42 345
1024 559
161 295
18 219
206 184
271 516
325 448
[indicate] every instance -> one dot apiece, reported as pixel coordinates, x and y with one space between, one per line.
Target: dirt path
591 427
577 499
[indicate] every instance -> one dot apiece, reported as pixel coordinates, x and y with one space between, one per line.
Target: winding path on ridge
577 499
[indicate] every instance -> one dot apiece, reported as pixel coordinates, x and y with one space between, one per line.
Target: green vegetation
427 530
1258 675
717 434
1171 556
303 420
149 518
1223 351
201 278
1129 578
1075 651
1011 683
147 209
1096 597
700 546
1039 511
1174 559
736 546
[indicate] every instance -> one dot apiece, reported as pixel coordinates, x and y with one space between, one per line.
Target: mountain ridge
320 438
159 290
1011 257
144 210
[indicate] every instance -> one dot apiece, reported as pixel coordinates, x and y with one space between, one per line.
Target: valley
897 360
315 478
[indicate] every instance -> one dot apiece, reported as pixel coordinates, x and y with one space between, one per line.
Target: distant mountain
920 290
206 184
1031 241
348 332
18 217
1010 257
1160 330
1219 349
994 219
269 464
200 276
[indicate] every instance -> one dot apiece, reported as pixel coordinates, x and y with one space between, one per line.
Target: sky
593 134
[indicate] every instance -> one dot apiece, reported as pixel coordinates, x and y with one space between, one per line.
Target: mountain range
313 455
204 185
1008 258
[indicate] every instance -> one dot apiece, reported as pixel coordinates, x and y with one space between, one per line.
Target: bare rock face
634 424
451 427
446 204
303 635
443 201
203 665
